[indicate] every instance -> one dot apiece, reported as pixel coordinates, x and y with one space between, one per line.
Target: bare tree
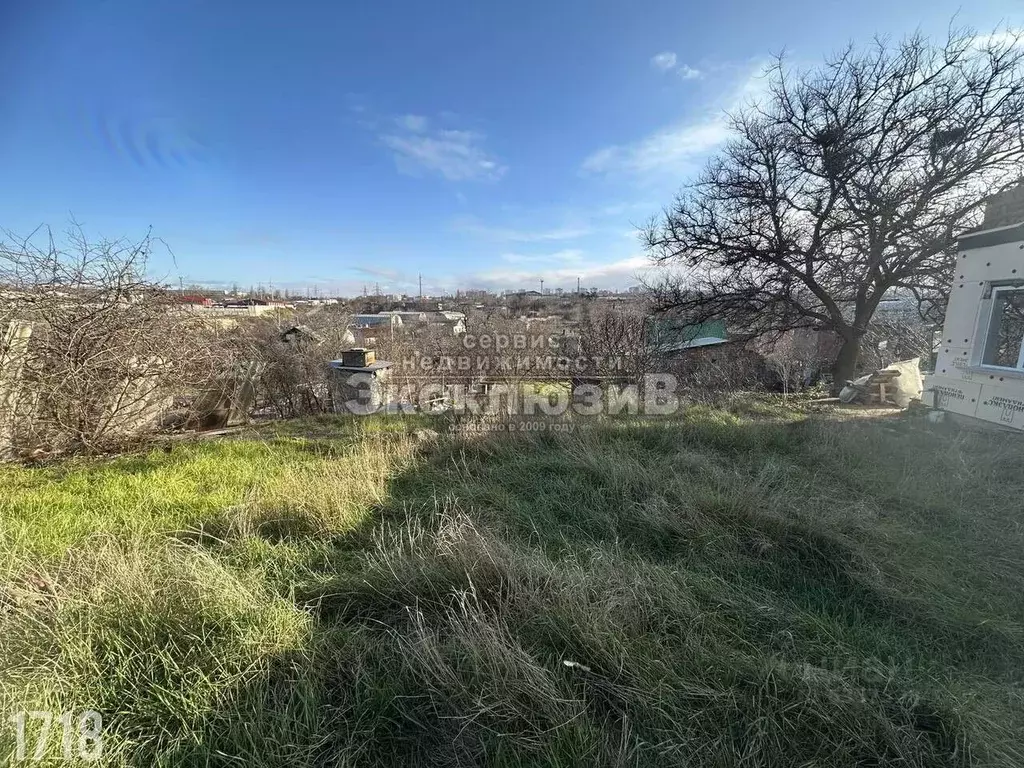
849 181
615 340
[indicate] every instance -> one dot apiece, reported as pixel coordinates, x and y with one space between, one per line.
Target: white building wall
963 383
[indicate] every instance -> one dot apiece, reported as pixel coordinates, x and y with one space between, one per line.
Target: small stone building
359 383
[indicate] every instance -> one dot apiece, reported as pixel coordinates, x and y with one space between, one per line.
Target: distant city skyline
314 292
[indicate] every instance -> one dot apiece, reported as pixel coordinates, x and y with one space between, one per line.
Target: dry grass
742 586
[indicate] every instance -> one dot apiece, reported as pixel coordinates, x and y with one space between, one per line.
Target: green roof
676 333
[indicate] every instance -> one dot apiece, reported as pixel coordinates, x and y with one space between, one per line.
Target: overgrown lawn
744 587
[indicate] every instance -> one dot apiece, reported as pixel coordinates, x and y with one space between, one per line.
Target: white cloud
412 123
510 234
392 275
568 255
671 149
558 270
455 155
676 149
1006 38
667 61
664 61
539 225
615 274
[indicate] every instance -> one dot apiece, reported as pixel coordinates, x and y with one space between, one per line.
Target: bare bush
616 340
707 374
102 350
289 363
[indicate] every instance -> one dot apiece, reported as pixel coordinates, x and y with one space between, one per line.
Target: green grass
743 586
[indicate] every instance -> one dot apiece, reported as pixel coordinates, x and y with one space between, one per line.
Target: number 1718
86 729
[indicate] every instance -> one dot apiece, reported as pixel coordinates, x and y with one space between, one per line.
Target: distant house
366 329
408 317
449 317
979 370
454 321
194 300
670 336
386 320
796 357
303 335
251 307
246 303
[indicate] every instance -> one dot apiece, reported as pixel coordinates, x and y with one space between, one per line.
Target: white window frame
987 317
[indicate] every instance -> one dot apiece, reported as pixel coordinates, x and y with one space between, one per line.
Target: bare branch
851 181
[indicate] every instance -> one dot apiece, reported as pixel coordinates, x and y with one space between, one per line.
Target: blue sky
346 144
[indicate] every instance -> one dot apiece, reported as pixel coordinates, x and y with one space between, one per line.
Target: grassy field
749 588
